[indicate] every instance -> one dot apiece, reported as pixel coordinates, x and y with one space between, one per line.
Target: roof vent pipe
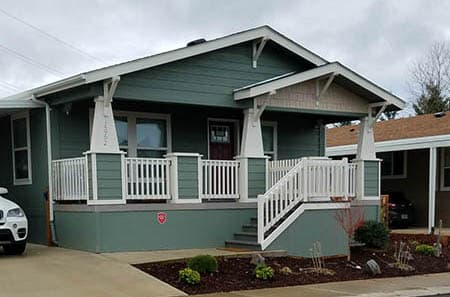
197 41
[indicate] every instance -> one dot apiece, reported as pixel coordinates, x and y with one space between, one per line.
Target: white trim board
332 68
171 56
394 145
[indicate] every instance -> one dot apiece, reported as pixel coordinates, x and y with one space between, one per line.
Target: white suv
13 226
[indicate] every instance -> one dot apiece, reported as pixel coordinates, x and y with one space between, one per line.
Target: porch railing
309 178
70 179
277 169
147 178
219 179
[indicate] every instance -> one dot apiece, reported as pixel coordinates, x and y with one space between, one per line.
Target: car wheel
14 248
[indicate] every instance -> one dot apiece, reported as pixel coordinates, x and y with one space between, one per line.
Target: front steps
247 238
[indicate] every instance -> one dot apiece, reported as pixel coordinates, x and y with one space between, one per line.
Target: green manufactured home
219 143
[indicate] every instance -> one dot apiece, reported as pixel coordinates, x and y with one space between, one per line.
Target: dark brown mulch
237 273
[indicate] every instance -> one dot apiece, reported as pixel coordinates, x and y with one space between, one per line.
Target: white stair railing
308 179
278 168
219 179
70 179
147 178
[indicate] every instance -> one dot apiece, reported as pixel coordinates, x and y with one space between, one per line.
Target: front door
221 140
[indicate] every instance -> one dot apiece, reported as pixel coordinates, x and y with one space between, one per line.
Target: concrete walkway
422 285
56 272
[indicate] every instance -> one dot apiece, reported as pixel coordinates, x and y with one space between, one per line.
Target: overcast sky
378 39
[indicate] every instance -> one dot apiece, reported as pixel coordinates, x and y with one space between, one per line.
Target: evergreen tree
431 101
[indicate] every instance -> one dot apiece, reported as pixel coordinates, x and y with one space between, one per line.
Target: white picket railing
70 179
147 178
308 179
277 169
219 179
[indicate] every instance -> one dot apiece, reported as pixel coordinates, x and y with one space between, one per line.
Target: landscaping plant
350 219
402 255
264 272
425 249
189 276
203 264
373 234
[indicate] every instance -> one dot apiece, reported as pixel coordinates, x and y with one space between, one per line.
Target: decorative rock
286 270
257 259
372 267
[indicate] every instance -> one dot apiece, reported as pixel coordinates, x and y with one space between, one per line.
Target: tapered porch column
106 161
368 182
252 170
432 189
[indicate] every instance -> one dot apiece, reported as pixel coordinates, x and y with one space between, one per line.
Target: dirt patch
236 273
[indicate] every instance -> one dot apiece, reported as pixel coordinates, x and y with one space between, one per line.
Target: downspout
49 166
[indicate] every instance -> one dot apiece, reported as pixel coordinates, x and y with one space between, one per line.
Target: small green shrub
425 249
373 234
203 264
189 276
264 272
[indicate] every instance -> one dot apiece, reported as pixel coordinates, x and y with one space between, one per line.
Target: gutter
49 165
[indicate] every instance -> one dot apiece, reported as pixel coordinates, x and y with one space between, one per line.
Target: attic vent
439 114
195 42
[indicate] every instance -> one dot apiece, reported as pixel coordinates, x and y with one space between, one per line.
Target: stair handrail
261 228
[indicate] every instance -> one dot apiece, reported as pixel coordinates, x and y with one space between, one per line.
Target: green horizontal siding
371 178
208 79
256 177
109 176
140 230
187 177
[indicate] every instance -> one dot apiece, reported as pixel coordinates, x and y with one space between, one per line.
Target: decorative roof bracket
258 47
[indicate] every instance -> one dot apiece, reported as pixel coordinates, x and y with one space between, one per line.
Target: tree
430 80
388 115
350 219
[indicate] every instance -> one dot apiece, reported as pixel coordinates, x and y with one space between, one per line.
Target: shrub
203 264
372 234
189 276
425 249
264 272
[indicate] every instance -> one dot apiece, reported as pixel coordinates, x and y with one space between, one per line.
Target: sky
378 39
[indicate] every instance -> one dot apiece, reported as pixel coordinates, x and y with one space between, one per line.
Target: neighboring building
416 161
172 150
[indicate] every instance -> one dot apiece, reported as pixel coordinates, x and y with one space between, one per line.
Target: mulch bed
236 273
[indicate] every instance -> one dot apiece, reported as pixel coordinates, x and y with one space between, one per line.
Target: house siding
256 177
208 79
29 197
187 177
140 230
109 176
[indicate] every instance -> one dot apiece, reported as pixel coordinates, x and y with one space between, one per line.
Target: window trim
397 176
29 180
132 140
274 125
442 168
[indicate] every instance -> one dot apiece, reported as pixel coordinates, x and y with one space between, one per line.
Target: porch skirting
136 227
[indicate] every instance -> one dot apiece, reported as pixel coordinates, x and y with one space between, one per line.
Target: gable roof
171 56
405 128
342 73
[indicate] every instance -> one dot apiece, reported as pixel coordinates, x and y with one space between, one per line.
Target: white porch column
432 189
366 141
104 136
252 145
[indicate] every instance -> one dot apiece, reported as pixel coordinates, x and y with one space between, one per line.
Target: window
143 134
21 149
393 164
269 135
445 169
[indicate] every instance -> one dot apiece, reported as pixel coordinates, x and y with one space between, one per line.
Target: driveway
55 272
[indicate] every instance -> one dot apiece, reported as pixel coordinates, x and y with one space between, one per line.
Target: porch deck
420 231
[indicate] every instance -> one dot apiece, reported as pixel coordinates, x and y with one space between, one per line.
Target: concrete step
250 228
243 244
246 236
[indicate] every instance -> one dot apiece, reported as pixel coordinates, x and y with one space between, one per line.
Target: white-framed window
445 169
21 148
143 134
270 139
393 164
